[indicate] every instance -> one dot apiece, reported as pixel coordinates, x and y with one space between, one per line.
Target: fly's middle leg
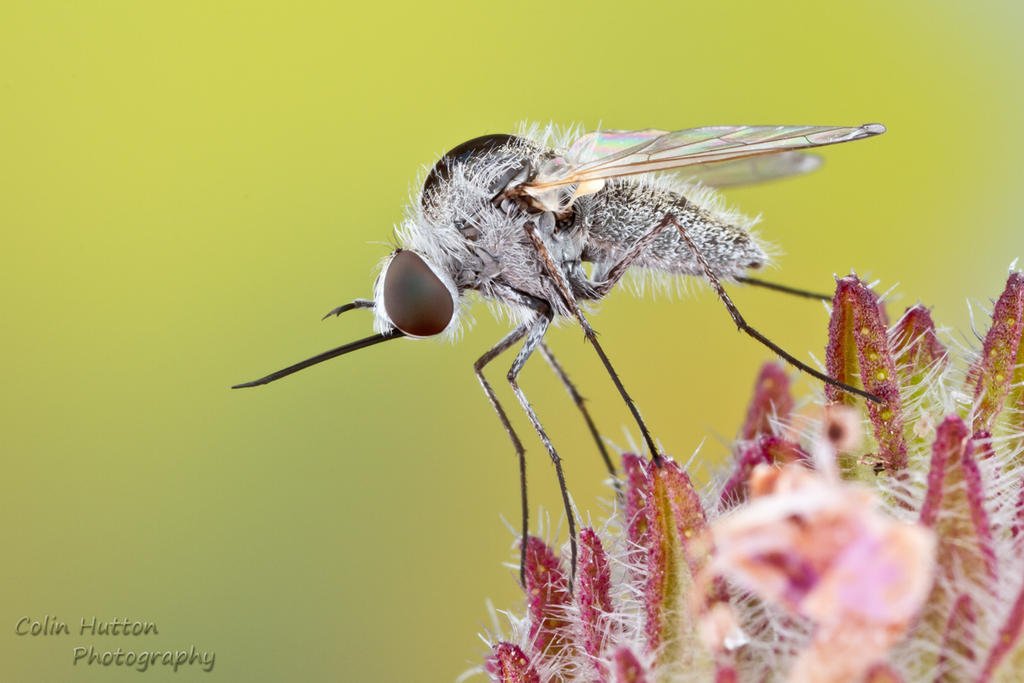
560 280
534 331
577 398
537 328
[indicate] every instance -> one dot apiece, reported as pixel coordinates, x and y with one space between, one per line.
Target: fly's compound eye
415 299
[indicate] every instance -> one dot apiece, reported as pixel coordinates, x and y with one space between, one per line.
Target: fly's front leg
574 394
534 337
556 274
478 367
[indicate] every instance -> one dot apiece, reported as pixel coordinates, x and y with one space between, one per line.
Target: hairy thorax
482 229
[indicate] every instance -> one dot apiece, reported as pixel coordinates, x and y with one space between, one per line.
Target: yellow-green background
185 187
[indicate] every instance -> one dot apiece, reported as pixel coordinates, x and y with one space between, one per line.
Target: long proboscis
321 357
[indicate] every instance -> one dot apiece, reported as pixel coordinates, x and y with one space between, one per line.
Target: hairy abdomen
625 210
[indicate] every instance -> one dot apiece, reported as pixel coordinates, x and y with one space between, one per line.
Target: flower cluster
855 541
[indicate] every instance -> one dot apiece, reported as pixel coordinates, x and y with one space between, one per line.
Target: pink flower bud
674 517
771 400
954 505
858 342
592 597
508 664
767 450
627 668
547 590
999 373
916 346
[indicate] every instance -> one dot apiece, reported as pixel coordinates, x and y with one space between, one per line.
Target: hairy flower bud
858 353
781 569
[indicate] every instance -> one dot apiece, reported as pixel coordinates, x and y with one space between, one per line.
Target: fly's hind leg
574 394
783 288
670 221
750 331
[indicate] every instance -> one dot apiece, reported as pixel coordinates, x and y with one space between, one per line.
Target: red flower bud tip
771 400
917 347
857 339
508 664
627 668
954 505
675 517
767 450
593 598
637 496
999 373
547 591
734 491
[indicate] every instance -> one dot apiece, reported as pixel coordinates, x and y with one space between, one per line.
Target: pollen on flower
851 541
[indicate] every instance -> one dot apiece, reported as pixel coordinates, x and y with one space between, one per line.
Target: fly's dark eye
416 301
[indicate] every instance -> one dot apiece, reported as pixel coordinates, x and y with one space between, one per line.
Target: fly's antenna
358 303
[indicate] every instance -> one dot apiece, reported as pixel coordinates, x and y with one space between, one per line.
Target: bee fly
514 220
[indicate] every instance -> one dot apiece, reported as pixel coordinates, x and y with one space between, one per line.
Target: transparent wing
609 154
610 143
751 170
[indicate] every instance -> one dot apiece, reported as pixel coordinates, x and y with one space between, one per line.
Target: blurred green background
186 187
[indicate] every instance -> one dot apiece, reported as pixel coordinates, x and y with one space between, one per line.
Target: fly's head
455 238
451 237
